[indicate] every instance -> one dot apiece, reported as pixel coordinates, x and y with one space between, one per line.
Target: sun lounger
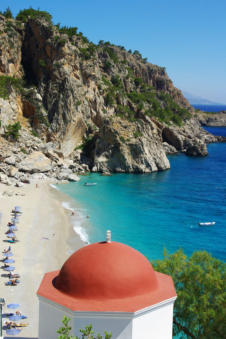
8 283
22 325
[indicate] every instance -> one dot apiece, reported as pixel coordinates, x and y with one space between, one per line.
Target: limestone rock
197 149
173 138
169 149
73 177
4 179
19 184
140 155
12 171
34 163
11 160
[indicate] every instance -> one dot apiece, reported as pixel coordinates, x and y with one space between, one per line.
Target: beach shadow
10 241
6 315
5 275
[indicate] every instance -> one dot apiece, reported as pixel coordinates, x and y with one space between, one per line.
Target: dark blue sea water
216 130
210 108
159 210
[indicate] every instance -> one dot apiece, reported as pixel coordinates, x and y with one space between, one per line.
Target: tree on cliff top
7 13
31 13
199 310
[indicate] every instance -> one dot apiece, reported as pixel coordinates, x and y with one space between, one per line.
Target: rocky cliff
86 106
212 119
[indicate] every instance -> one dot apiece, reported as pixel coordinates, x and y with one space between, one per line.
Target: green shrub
42 63
70 31
137 134
107 66
109 99
162 105
137 53
116 81
110 51
122 139
65 332
12 131
6 84
23 150
125 113
35 133
42 118
7 13
31 13
78 103
88 52
138 82
199 279
61 42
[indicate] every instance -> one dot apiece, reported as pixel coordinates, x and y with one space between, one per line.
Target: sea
157 211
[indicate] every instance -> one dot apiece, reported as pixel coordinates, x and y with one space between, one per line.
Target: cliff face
99 105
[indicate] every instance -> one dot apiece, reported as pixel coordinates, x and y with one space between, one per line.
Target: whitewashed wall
155 323
151 323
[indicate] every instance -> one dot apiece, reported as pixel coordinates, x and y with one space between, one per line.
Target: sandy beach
46 239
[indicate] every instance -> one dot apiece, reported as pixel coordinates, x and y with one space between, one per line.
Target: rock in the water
34 163
73 177
198 149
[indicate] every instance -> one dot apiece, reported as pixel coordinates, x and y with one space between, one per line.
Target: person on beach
13 239
14 282
14 275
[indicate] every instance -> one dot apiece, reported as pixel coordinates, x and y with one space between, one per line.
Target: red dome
106 271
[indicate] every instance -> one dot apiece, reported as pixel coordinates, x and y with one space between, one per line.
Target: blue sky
185 36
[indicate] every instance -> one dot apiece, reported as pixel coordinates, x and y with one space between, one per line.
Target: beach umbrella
8 254
15 317
9 261
13 306
10 235
10 268
12 331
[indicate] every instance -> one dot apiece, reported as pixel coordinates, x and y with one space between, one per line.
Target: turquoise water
159 210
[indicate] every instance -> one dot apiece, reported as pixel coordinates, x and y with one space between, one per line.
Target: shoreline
46 240
74 211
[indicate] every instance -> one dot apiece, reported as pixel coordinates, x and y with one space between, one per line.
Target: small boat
209 223
90 183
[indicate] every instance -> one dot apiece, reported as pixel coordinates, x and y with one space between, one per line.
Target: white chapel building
111 286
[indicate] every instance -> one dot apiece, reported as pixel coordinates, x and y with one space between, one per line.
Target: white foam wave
67 206
77 220
54 186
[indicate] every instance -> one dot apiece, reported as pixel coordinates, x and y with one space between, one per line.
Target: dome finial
108 238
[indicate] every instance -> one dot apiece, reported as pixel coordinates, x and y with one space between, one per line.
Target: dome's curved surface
106 271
